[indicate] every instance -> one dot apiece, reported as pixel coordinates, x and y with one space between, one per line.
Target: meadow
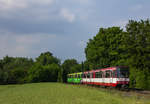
57 93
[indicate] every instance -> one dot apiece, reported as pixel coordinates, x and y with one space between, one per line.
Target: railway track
140 91
126 92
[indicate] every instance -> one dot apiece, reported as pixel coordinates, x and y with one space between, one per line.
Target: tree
47 58
138 46
14 70
106 48
60 79
45 69
67 67
76 68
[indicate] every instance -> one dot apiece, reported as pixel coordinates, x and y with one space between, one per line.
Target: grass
57 93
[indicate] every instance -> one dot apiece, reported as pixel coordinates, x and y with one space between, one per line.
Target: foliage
46 73
69 66
14 70
85 66
60 79
45 69
138 46
105 48
47 58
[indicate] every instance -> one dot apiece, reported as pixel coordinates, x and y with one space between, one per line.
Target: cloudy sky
29 27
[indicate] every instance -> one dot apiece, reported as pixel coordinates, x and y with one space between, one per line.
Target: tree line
111 46
45 68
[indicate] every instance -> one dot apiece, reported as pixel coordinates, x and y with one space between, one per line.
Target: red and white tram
112 76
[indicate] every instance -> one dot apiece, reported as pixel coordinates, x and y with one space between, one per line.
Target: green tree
76 68
60 79
67 67
106 48
47 58
14 70
45 68
138 46
85 66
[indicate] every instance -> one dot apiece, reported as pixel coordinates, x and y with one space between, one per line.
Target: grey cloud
32 45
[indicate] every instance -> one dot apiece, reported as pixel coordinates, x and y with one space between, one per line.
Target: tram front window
123 72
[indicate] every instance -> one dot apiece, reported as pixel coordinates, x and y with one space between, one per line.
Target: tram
112 76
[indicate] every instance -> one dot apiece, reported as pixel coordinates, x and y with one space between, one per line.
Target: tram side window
79 75
88 75
107 74
97 75
84 75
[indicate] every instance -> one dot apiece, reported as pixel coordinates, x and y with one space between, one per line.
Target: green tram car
74 78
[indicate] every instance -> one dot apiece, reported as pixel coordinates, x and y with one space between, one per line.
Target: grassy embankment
56 93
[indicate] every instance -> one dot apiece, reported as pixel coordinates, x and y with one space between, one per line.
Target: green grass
56 93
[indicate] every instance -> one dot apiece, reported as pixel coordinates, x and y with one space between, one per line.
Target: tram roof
104 69
75 73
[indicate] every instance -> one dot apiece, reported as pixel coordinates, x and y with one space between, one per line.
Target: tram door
114 76
111 77
103 77
90 79
108 79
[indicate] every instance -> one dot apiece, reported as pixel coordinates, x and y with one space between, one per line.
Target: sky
63 27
